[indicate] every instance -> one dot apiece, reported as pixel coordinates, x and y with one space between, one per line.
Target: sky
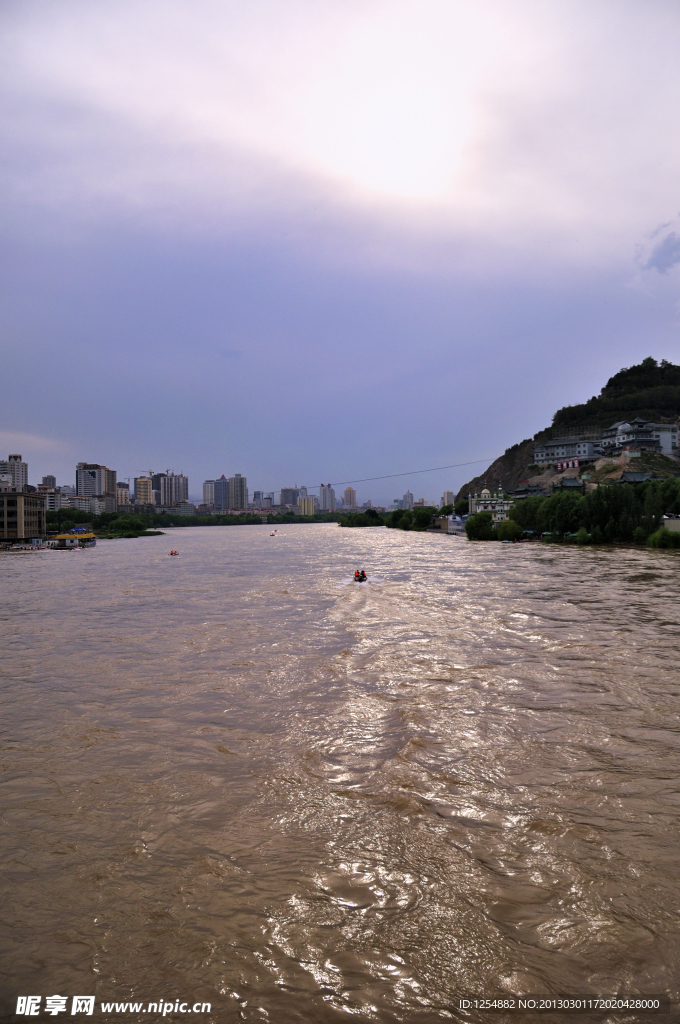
321 242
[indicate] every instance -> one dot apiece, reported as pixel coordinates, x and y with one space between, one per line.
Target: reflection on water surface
235 776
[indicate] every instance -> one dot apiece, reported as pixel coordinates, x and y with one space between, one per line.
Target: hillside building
566 448
642 435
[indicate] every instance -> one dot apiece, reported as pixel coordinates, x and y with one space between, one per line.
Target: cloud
665 255
30 444
305 241
494 122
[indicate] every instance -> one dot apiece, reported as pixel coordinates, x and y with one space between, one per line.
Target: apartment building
143 490
22 516
93 479
326 498
16 469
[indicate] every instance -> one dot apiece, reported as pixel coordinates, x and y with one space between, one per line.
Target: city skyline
94 480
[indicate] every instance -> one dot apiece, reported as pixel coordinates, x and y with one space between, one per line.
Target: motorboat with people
360 576
174 552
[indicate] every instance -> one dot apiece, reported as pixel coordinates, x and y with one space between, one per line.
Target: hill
649 389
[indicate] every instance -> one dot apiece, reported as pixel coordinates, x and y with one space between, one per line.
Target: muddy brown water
236 776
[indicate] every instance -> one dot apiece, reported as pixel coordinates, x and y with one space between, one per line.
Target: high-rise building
17 469
123 494
306 506
350 497
303 492
326 498
289 495
160 488
208 492
54 500
179 487
238 491
407 500
448 498
263 499
169 488
93 479
143 490
50 481
221 494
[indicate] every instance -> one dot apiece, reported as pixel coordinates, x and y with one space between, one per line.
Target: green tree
508 530
664 538
480 527
526 512
582 537
422 517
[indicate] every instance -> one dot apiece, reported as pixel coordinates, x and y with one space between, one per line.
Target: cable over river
235 777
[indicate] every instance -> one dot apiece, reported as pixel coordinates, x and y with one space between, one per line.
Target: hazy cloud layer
303 241
666 254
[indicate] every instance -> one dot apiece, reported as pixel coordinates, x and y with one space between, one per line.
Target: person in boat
357 575
363 576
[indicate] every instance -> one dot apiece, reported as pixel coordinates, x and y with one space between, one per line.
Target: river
237 777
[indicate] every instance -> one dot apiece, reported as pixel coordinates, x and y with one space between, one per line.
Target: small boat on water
74 540
360 577
174 552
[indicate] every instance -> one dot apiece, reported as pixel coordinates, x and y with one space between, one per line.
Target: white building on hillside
565 448
640 433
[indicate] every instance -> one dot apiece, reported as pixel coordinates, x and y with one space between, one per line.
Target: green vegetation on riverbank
123 524
368 518
624 513
411 519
